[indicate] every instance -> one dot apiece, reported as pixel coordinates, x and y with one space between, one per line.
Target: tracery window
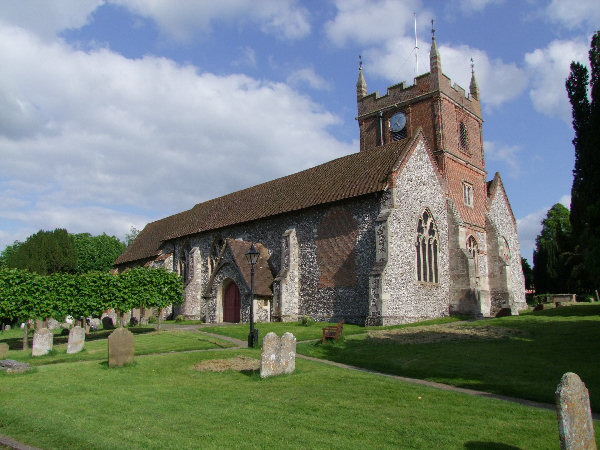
472 248
427 249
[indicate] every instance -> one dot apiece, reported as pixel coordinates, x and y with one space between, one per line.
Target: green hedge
25 295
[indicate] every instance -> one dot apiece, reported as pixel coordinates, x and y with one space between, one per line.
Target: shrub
306 321
152 319
179 318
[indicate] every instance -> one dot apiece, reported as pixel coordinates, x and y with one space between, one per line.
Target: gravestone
575 426
287 353
53 324
108 323
94 324
76 340
3 350
12 366
278 355
120 348
42 342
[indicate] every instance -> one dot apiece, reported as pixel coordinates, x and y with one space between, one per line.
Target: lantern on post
252 257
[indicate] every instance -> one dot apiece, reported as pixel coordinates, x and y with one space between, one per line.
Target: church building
404 230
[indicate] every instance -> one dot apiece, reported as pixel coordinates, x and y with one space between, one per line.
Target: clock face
397 122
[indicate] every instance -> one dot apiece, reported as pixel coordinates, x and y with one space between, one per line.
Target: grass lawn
527 363
301 332
163 402
146 341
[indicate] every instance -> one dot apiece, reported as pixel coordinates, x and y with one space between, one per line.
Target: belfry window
427 249
463 136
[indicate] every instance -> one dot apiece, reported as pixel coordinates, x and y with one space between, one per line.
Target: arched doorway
231 303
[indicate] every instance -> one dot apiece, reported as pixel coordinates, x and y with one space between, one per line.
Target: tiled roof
343 178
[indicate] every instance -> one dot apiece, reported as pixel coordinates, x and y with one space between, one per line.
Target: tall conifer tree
585 193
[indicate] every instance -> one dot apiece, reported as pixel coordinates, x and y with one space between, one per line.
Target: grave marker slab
120 348
76 340
42 342
278 355
575 426
3 350
12 366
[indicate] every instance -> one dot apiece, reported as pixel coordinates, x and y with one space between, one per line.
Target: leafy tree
8 251
96 253
45 252
130 237
550 271
527 273
585 192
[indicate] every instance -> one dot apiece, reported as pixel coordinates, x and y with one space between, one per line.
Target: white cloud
247 58
84 136
508 154
308 76
528 228
548 70
282 18
46 18
470 6
373 22
573 14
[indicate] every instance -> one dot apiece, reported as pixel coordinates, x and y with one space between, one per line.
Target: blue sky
117 113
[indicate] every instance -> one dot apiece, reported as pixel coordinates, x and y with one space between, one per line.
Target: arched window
427 247
185 265
472 248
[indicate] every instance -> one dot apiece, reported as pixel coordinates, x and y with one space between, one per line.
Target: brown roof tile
343 178
263 277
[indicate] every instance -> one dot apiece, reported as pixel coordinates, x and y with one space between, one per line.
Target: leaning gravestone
76 340
42 342
3 350
278 355
120 348
575 426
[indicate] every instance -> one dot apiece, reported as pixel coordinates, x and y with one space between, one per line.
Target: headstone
575 426
269 356
120 348
278 355
53 324
12 366
42 342
94 324
108 323
76 340
7 327
3 350
287 353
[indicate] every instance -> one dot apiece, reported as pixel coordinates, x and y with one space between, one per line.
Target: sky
117 113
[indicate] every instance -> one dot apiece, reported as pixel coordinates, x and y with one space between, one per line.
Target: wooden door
231 303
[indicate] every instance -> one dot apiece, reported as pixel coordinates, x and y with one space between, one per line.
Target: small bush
307 321
179 318
152 319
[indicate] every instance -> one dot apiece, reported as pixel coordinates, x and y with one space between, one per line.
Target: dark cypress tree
45 252
585 193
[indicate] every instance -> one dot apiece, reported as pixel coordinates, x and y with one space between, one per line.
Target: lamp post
252 257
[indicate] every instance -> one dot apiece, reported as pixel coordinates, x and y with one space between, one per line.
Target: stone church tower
450 120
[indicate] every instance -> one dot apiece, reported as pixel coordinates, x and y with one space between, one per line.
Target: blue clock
397 122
